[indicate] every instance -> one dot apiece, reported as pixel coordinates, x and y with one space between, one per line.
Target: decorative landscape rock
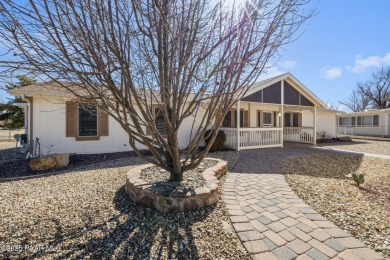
345 139
153 196
49 162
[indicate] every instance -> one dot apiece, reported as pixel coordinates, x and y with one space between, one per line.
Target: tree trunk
174 162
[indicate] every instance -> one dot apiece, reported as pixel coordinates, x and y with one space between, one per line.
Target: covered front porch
271 113
300 129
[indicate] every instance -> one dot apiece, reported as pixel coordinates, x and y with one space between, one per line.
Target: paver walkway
272 222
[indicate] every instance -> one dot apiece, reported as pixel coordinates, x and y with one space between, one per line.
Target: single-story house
274 110
370 122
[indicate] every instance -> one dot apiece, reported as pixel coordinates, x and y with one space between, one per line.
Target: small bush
219 142
358 178
323 136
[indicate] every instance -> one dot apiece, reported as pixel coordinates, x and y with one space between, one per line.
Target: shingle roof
48 88
56 89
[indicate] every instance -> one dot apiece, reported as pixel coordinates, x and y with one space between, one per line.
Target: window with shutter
88 120
227 121
85 121
267 119
160 123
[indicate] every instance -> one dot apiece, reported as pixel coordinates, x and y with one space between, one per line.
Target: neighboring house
366 123
63 125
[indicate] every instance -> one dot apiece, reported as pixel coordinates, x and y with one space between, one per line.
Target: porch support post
282 112
25 119
238 125
315 125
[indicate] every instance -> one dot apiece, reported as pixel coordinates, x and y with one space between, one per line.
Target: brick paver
272 222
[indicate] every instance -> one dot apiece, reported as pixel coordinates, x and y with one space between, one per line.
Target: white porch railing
298 134
251 138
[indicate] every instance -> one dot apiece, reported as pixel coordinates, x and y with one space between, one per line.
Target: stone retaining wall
151 196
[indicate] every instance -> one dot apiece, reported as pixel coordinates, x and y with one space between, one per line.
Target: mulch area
21 168
323 182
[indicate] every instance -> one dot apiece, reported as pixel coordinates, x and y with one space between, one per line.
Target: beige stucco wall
326 121
49 127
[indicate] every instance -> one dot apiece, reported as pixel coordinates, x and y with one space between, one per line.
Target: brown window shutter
274 118
148 131
260 118
300 119
71 118
103 123
246 118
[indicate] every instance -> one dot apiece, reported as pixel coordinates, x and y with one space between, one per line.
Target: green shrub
358 178
219 142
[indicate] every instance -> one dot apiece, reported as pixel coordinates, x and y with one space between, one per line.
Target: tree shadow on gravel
138 233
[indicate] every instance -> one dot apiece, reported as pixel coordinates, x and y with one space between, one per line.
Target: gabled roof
293 81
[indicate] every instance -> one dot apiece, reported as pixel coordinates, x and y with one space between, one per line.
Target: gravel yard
321 182
359 145
86 213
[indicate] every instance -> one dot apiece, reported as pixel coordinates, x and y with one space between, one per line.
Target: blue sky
344 43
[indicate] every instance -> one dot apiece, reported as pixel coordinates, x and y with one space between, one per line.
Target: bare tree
357 102
139 59
332 106
377 89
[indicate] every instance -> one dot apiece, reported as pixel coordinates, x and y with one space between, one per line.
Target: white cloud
288 64
386 59
361 64
331 72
